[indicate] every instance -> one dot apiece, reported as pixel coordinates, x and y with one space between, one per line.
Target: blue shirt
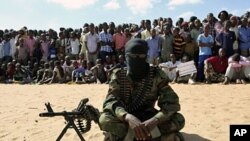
6 48
52 53
244 38
226 40
203 39
153 45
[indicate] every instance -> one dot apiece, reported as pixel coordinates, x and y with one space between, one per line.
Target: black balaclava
137 66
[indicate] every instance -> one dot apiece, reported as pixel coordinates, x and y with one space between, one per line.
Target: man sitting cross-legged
238 69
215 67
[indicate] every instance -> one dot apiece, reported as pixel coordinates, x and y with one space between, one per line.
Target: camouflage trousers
119 129
211 75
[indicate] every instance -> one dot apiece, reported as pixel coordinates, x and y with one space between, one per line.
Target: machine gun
79 119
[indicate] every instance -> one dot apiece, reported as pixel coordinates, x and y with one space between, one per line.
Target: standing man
153 47
119 40
106 42
129 111
244 38
29 42
82 39
146 33
234 27
91 44
205 43
166 44
6 48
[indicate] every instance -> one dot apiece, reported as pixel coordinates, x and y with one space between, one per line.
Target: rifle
79 119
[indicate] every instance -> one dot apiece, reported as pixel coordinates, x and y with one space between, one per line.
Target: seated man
121 64
78 71
99 72
215 67
2 74
68 69
20 76
238 69
170 67
58 74
88 76
129 109
48 72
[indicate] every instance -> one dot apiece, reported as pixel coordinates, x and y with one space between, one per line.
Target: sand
208 109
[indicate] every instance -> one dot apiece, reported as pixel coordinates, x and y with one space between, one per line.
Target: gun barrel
52 114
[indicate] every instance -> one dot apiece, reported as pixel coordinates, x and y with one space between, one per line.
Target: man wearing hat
128 110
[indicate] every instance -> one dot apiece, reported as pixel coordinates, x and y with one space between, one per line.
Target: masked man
129 109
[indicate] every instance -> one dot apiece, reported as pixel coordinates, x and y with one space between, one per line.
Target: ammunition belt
142 90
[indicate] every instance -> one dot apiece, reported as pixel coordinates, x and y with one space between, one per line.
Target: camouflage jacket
168 101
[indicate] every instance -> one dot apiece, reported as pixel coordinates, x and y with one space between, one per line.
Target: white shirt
92 40
74 44
13 47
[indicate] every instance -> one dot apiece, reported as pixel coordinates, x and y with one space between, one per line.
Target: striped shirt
178 46
105 37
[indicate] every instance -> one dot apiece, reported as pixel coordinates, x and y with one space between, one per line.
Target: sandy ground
208 109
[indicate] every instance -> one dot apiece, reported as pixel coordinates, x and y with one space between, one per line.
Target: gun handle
82 104
49 108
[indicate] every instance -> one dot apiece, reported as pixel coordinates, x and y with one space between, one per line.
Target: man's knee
113 125
104 120
179 121
176 123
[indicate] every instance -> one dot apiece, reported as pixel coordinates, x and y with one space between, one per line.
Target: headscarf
136 55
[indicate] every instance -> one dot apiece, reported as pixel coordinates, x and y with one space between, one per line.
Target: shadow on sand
193 137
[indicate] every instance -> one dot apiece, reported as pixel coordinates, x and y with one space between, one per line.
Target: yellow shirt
145 34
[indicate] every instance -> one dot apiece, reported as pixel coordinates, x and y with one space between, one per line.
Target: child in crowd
88 75
58 74
47 75
68 68
77 71
81 59
99 72
10 72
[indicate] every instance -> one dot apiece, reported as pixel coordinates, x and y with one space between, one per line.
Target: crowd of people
219 47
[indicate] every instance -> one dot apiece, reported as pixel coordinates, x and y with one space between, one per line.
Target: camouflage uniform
123 98
211 75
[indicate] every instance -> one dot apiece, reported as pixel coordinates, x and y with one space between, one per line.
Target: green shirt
166 46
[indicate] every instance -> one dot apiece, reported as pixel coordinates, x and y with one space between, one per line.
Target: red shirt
219 64
119 40
10 73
